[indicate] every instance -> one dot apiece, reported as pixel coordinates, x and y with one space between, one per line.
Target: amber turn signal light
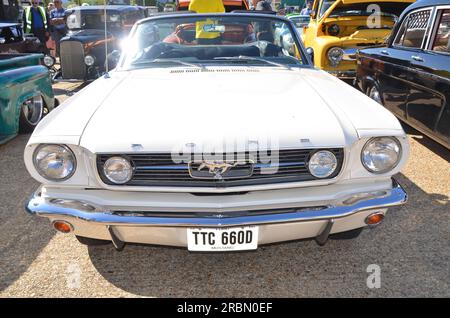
374 218
63 226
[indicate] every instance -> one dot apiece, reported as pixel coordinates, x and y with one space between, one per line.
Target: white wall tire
31 113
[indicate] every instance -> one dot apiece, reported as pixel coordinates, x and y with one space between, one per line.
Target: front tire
374 93
91 242
31 113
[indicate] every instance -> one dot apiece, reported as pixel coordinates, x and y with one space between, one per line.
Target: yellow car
338 28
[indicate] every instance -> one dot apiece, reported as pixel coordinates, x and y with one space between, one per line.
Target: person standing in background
50 7
58 23
308 9
35 21
206 6
263 30
262 5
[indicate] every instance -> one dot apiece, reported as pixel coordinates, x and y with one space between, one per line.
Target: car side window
413 29
441 41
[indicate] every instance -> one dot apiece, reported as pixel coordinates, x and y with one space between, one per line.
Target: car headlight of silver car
118 170
89 60
322 164
335 55
54 162
381 154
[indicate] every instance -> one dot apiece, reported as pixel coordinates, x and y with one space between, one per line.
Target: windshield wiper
169 61
251 58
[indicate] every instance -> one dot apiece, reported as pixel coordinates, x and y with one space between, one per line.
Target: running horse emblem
218 169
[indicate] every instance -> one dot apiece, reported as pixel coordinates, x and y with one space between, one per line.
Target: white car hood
163 110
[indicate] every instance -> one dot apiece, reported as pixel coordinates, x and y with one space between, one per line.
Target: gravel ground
411 248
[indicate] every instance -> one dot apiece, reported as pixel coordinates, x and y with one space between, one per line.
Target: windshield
324 6
92 20
198 40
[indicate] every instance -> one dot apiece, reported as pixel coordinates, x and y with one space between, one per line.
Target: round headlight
89 60
381 155
335 55
54 162
118 170
334 30
322 164
49 61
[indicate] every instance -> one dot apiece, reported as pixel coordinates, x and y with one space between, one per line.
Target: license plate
219 240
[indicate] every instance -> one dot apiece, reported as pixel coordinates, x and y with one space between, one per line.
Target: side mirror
310 52
2 40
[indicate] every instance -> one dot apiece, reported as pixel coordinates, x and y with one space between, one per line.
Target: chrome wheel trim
33 109
374 93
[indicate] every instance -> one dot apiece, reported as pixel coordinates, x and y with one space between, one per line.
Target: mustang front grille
158 169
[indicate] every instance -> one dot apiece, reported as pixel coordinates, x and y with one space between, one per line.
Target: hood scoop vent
214 70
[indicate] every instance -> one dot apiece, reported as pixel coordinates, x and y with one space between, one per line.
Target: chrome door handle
385 52
417 58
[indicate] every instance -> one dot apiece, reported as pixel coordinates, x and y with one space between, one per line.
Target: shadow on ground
427 142
22 237
408 247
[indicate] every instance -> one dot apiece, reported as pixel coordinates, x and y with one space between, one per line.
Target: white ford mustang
210 136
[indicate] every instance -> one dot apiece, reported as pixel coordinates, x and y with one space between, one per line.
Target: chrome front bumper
94 221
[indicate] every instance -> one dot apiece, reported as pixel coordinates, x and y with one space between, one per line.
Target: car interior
209 52
179 41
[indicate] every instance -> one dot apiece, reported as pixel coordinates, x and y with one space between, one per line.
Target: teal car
26 94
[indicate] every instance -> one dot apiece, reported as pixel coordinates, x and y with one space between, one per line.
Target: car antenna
106 41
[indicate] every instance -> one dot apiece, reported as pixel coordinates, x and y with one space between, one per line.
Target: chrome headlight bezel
124 161
386 169
48 61
333 60
46 176
331 171
89 60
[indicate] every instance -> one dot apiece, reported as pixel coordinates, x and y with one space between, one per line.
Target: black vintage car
82 51
411 75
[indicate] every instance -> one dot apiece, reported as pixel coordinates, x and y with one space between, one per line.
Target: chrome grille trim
158 170
72 60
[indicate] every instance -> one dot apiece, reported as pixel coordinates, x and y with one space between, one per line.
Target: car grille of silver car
159 169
